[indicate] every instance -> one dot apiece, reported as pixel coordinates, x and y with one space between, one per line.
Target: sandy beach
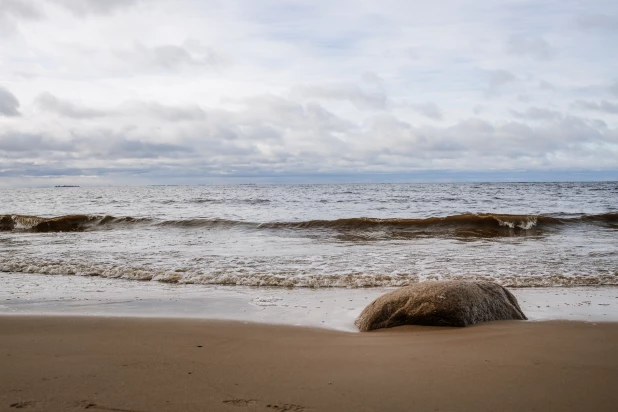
149 364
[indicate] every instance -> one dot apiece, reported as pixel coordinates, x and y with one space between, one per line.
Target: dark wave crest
464 223
67 223
206 223
463 226
476 220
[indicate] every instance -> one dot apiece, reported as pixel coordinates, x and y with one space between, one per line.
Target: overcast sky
197 91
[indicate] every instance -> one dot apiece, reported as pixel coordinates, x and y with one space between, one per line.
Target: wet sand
150 364
332 308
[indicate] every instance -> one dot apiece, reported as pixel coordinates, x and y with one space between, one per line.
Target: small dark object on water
66 186
441 303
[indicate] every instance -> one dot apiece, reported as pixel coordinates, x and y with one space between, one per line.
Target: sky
128 92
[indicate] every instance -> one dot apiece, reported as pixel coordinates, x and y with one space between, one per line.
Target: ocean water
317 236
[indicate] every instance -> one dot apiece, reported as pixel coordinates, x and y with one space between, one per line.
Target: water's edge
325 308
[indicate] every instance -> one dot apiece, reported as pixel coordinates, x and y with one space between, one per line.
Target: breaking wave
480 222
68 223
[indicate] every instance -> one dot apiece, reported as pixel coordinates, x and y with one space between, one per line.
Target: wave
217 201
486 223
67 223
230 201
463 220
351 279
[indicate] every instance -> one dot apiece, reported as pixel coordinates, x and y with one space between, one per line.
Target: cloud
498 78
373 79
66 108
17 142
537 48
429 110
603 106
122 148
240 143
278 130
100 144
94 7
545 85
537 113
170 57
361 99
48 102
597 22
166 112
24 9
193 88
267 135
13 11
9 104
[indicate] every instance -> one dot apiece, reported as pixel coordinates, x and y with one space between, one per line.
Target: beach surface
331 308
67 363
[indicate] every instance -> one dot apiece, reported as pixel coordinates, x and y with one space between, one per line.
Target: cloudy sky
97 92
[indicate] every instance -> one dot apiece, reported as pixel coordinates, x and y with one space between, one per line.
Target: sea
299 237
347 235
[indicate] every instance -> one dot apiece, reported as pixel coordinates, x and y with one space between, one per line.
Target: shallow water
332 308
518 234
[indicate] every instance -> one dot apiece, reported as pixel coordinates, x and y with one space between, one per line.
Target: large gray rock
441 303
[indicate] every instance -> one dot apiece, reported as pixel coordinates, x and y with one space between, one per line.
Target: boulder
441 303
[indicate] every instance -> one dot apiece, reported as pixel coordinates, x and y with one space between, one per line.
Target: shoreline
151 364
329 308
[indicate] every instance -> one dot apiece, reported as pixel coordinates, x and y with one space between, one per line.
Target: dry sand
137 364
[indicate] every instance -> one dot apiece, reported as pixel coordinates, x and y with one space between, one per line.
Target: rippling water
518 234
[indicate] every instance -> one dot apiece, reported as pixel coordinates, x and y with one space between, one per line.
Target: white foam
527 224
266 301
301 278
